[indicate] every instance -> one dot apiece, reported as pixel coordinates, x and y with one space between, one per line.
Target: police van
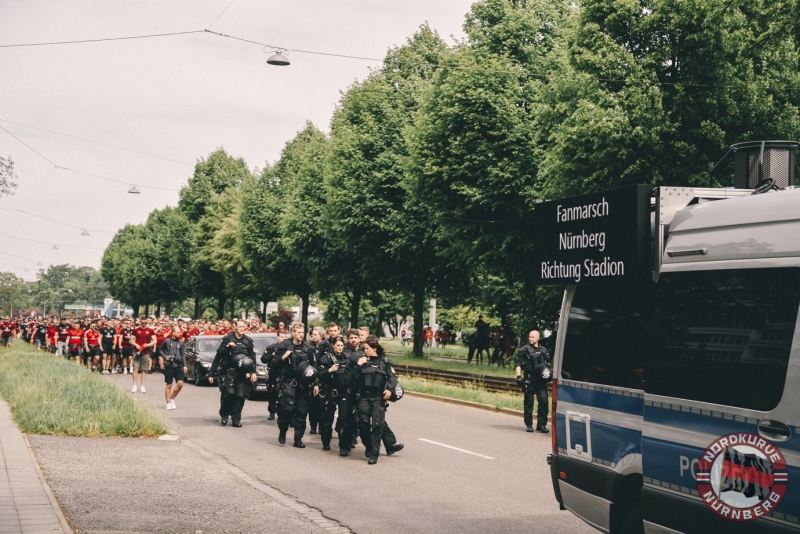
676 402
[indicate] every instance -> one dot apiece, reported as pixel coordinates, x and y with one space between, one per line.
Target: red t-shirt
8 329
93 338
51 333
143 336
75 336
125 334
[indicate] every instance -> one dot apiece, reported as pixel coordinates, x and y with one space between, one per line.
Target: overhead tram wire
37 262
96 142
83 172
81 41
55 221
221 13
58 245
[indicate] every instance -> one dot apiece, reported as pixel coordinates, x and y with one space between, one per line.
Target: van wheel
197 375
633 522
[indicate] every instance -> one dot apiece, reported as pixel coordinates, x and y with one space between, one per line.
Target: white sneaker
113 371
142 390
133 389
169 406
126 371
172 403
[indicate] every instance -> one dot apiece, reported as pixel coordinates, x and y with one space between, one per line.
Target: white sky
177 97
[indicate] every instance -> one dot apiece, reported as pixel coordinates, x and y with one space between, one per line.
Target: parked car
200 352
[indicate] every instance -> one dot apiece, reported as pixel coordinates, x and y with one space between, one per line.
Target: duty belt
293 383
334 393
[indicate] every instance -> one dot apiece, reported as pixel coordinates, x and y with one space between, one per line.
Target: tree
129 266
11 291
7 176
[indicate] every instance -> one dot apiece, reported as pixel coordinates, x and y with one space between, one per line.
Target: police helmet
244 363
544 372
397 393
306 373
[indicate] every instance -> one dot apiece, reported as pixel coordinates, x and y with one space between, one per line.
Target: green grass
467 392
49 395
489 370
451 351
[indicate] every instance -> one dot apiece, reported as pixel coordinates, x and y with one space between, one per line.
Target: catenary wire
49 244
221 13
126 38
95 142
55 221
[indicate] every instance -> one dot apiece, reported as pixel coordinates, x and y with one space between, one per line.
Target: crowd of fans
106 345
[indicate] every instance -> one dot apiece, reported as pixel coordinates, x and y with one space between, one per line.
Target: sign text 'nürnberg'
594 237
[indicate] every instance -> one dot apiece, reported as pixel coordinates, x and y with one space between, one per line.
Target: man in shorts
7 331
124 346
107 335
74 341
62 337
144 339
173 350
91 347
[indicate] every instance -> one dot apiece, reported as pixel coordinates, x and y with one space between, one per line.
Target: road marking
455 448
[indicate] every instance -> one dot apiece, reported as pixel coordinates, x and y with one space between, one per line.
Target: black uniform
273 383
233 385
108 334
315 407
336 389
528 358
294 396
372 379
353 355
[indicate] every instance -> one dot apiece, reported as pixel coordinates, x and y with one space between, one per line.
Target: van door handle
774 430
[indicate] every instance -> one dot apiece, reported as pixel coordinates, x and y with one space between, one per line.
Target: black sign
593 238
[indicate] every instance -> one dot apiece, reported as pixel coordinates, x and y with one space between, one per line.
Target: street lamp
85 232
133 190
278 58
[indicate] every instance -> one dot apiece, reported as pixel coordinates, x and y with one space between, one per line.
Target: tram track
487 382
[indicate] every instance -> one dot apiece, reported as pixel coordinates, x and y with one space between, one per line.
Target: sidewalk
26 503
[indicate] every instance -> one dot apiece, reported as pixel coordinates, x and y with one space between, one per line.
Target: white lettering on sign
588 211
568 240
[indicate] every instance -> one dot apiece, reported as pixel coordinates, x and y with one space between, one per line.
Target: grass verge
489 370
451 351
467 392
49 395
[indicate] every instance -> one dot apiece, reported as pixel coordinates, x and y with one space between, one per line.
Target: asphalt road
498 482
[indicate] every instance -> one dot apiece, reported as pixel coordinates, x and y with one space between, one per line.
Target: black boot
299 443
372 461
343 452
237 423
271 416
326 446
313 430
542 429
282 437
397 447
224 420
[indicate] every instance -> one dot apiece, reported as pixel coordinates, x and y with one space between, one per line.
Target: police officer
234 366
315 408
375 380
335 387
529 358
273 383
293 401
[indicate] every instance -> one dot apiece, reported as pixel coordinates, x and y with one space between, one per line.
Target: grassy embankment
467 391
49 395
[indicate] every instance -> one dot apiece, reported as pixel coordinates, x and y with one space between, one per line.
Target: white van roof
745 232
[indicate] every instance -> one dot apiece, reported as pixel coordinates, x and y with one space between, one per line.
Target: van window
722 337
601 346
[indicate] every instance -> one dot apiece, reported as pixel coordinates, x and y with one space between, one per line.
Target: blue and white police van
676 402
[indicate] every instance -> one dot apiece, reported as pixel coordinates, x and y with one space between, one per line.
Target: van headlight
206 364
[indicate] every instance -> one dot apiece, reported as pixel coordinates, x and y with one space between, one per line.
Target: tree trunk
264 313
169 308
233 307
379 326
419 300
197 311
355 304
304 313
147 310
158 309
135 310
221 307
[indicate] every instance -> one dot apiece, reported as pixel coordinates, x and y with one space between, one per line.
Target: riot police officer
374 381
293 364
530 360
234 367
335 371
315 408
273 383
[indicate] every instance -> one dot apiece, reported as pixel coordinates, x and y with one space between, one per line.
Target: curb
65 526
487 407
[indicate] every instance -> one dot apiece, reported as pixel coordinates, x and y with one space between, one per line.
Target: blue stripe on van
610 443
600 399
661 462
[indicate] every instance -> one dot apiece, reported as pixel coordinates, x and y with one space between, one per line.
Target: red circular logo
742 476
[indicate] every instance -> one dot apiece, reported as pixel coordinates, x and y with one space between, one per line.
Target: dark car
200 352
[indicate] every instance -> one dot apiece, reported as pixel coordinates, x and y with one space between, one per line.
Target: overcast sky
177 97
